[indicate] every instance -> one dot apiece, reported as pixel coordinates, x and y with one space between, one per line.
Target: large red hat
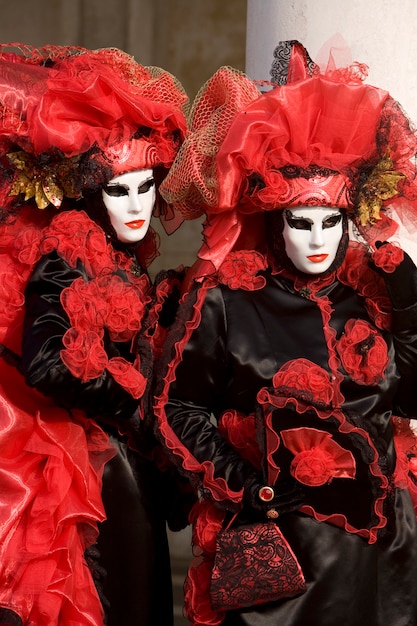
316 139
60 103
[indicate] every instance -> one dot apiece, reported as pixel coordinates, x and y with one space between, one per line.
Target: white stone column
380 33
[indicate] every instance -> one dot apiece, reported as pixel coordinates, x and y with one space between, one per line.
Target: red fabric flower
106 301
206 519
239 270
77 238
125 307
305 376
275 190
356 273
84 354
85 309
240 432
351 270
127 376
318 459
388 257
363 352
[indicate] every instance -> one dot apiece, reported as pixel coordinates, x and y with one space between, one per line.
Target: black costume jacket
300 377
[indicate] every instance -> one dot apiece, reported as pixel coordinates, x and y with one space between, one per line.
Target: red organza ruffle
217 486
207 520
51 503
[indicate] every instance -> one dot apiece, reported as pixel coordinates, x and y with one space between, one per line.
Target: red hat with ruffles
322 139
62 103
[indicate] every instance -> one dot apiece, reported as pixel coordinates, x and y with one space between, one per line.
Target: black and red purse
253 564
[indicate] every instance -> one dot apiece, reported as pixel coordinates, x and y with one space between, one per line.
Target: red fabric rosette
388 257
363 352
84 354
77 238
240 432
305 376
84 308
239 270
127 376
206 519
125 308
317 457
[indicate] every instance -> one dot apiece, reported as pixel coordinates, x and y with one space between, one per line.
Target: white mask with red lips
312 236
130 199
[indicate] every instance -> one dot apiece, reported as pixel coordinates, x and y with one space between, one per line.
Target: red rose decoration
125 308
351 270
76 237
239 270
240 432
127 376
276 189
356 272
85 309
363 352
388 257
318 459
84 354
307 377
207 520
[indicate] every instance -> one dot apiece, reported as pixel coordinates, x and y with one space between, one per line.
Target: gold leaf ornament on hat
382 184
46 179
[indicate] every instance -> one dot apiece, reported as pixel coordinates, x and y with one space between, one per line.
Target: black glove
402 282
287 496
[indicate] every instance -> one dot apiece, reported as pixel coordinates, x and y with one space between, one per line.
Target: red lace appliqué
363 352
239 270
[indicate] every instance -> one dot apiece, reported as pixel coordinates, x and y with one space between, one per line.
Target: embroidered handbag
253 564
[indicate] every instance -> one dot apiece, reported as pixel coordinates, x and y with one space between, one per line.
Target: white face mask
129 200
312 236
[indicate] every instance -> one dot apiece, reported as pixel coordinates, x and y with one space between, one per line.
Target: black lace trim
292 171
282 55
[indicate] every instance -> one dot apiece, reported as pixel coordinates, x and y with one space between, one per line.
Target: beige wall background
189 38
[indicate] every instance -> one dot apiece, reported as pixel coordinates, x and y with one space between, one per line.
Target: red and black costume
83 525
292 379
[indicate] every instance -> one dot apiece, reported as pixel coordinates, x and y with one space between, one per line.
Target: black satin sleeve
195 397
45 324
